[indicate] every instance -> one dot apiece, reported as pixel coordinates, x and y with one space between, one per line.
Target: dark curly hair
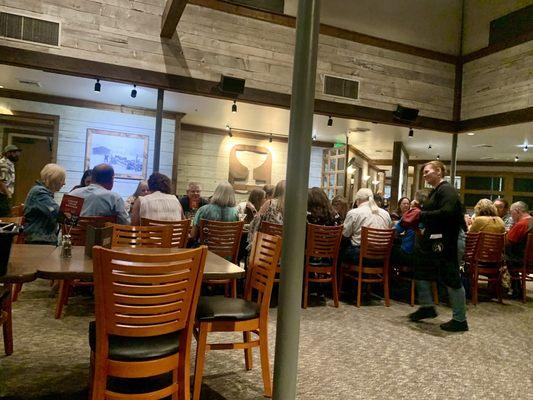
318 205
159 183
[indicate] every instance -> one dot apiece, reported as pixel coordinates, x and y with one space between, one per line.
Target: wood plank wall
499 82
210 43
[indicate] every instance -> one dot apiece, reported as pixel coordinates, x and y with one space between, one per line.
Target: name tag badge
436 236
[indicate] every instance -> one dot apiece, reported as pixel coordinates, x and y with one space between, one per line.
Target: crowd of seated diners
153 199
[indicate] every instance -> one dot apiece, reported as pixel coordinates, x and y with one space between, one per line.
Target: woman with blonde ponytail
367 214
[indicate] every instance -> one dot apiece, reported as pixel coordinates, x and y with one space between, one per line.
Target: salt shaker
66 246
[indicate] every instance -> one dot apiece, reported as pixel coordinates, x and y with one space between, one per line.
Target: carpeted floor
347 353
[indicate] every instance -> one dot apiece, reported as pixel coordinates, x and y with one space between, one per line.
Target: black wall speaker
231 85
405 114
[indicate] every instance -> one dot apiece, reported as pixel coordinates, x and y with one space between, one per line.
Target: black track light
314 137
438 156
228 129
330 121
134 91
270 139
234 107
515 158
429 147
411 132
525 147
97 86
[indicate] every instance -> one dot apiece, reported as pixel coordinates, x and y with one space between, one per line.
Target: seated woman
40 209
271 211
486 218
85 179
249 208
319 211
403 205
340 206
221 207
160 204
142 190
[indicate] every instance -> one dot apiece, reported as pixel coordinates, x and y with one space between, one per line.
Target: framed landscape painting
127 153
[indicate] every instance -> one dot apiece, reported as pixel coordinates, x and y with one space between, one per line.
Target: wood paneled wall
209 43
499 82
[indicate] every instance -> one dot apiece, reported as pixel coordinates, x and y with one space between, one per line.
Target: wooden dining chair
321 257
18 239
223 239
488 262
471 243
141 236
374 260
522 273
18 210
248 315
271 228
6 319
144 307
180 230
78 236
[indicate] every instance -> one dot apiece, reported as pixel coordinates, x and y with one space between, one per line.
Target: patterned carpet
347 353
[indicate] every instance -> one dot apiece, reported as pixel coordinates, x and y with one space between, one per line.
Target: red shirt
518 233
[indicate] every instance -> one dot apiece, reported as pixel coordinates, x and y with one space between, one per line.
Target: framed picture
127 153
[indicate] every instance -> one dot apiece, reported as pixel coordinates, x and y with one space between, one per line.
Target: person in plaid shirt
7 178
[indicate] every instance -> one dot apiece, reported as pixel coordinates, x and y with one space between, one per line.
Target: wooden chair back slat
490 248
222 238
528 252
141 236
271 228
376 244
78 233
323 241
471 242
180 229
262 269
146 294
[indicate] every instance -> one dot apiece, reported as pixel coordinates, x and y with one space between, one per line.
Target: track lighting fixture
438 156
411 133
429 147
97 86
525 147
228 129
134 91
515 158
330 121
234 107
314 137
270 138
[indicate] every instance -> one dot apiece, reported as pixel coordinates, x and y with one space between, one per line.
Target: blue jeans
351 254
456 297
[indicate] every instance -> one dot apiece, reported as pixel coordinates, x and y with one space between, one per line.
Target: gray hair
53 176
519 206
224 195
191 184
365 194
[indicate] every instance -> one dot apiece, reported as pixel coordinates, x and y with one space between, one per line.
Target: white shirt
363 216
161 206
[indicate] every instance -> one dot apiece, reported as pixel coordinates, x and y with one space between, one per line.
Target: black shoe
423 313
454 326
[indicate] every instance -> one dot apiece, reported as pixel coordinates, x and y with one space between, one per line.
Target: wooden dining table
29 262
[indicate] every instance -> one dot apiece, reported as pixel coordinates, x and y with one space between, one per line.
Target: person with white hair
40 209
366 214
220 208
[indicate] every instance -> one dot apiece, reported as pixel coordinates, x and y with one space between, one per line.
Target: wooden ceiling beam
171 16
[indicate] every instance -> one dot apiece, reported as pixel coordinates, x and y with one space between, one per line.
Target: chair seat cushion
124 348
220 307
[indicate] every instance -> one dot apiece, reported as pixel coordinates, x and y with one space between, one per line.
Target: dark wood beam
171 16
328 30
69 101
494 48
501 119
159 80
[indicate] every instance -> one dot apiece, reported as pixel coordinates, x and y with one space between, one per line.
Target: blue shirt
407 236
100 202
40 215
214 212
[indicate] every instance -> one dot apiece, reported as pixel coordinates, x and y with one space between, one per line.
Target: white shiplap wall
73 125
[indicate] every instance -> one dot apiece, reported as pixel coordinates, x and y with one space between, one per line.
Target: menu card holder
97 236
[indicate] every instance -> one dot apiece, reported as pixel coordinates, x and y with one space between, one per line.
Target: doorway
36 135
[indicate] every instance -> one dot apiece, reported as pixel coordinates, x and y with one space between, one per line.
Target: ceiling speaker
231 85
405 114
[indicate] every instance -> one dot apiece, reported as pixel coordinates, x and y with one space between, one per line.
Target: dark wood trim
175 159
485 51
290 21
69 101
458 92
414 163
171 16
494 120
247 134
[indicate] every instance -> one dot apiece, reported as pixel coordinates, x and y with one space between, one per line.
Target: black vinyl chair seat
124 348
220 307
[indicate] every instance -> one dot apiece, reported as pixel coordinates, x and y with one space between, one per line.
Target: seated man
502 206
367 214
517 235
192 201
100 201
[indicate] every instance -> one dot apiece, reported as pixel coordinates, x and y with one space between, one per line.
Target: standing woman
436 251
40 208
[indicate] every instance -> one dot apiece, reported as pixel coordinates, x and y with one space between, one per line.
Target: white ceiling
376 142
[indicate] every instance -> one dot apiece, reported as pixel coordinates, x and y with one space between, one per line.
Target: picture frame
127 153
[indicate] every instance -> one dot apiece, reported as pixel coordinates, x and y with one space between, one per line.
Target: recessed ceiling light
470 133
